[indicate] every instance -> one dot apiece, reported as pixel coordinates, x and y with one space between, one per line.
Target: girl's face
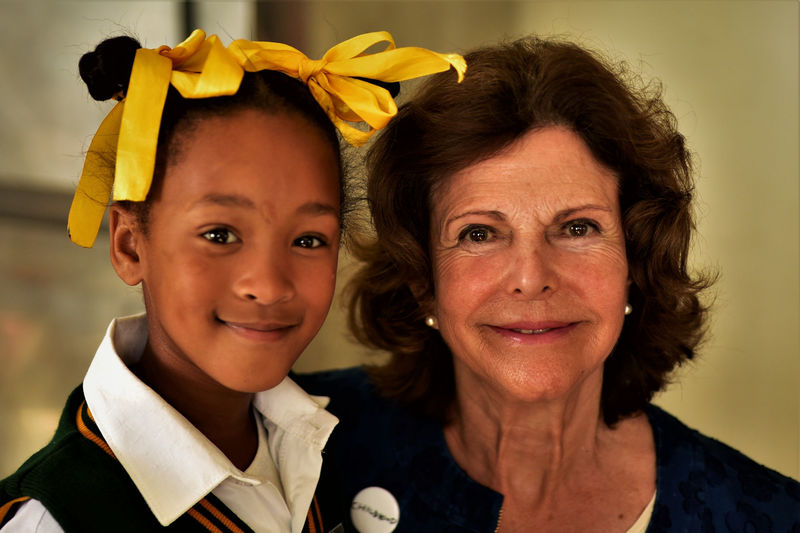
239 260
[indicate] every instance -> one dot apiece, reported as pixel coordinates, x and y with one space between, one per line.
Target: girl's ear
125 239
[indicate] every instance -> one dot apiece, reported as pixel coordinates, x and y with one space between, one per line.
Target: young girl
228 190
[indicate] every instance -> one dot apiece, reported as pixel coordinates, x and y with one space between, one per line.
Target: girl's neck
223 415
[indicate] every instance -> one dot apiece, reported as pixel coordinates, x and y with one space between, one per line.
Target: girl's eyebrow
237 200
318 208
233 200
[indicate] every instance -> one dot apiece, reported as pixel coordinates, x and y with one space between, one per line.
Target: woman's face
530 270
239 261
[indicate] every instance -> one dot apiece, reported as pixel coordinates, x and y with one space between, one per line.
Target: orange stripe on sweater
89 434
312 528
194 513
219 516
319 514
7 507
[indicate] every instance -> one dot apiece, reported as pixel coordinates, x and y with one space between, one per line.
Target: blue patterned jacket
703 485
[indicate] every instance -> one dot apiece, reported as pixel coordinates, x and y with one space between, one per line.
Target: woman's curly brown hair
510 90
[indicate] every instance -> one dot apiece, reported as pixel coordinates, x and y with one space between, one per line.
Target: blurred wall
730 72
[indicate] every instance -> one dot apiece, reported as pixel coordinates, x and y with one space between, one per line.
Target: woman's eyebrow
497 215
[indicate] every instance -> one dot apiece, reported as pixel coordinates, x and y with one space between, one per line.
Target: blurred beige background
730 70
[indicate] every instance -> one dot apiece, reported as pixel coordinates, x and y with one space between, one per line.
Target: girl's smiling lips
260 331
534 332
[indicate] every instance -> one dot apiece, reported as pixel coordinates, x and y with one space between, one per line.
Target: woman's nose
532 271
264 278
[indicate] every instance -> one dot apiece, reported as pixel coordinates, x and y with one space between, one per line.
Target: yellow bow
202 68
332 79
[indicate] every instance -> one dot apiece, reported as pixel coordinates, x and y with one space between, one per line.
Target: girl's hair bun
106 71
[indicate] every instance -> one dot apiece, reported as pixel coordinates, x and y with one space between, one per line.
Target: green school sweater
81 483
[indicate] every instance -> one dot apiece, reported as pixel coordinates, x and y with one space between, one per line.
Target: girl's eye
580 228
309 241
220 236
476 234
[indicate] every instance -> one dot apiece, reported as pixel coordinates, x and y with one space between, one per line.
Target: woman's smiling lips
534 332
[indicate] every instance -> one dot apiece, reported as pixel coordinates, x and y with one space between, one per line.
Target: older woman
528 275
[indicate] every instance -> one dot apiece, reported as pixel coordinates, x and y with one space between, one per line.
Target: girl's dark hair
106 72
510 90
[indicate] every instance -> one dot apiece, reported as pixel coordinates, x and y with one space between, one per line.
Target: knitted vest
81 483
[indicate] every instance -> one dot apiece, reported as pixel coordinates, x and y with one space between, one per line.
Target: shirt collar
171 462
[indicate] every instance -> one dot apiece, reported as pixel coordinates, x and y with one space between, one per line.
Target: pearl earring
430 321
628 309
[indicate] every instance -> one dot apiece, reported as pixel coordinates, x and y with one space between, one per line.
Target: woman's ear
125 239
422 295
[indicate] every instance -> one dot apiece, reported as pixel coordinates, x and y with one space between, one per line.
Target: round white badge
374 510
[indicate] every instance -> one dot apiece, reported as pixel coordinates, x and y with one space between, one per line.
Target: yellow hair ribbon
197 68
203 68
94 188
332 82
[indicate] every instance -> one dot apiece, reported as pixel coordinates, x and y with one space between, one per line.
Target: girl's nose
264 278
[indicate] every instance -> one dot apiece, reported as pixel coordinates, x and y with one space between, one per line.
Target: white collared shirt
174 465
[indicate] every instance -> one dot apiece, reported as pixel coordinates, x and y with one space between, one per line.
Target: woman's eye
475 234
309 241
580 228
220 236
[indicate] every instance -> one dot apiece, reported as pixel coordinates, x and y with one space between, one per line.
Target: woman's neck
223 415
526 447
557 464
